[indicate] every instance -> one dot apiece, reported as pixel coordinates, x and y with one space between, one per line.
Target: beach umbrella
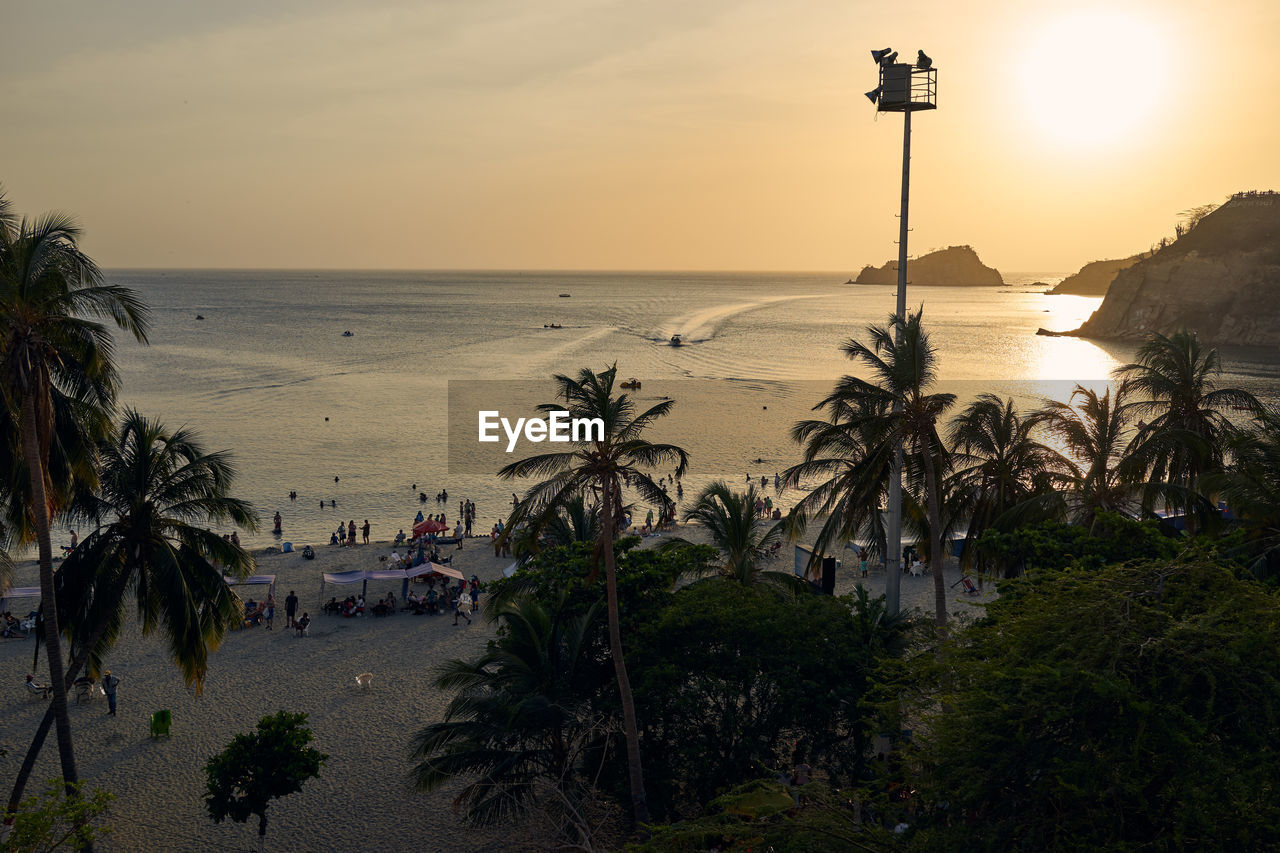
429 526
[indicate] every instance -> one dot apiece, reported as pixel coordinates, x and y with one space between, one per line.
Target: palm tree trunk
78 660
937 557
40 512
639 803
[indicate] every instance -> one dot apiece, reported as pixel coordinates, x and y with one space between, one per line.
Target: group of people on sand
346 533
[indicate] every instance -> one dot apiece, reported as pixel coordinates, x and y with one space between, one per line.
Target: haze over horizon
593 135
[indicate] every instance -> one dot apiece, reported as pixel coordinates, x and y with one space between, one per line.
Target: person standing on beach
290 608
365 531
270 611
462 607
351 532
109 685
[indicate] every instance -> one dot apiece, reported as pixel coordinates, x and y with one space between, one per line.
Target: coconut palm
1250 485
746 541
1094 432
851 461
158 493
1175 380
1003 475
51 298
599 468
520 716
896 409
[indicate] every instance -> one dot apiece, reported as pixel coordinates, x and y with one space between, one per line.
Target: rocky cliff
1221 280
955 265
1094 278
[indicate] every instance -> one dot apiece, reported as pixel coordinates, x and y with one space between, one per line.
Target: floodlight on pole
903 89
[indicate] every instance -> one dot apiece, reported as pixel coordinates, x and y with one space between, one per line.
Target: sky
648 134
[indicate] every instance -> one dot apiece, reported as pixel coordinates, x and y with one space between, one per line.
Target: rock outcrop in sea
954 265
1094 278
1220 280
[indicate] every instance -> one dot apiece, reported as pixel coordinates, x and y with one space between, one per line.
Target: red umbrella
429 526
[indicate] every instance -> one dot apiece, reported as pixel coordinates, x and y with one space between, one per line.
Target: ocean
270 375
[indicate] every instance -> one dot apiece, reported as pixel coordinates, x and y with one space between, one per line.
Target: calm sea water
269 374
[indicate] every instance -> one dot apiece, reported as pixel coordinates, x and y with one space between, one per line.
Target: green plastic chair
160 721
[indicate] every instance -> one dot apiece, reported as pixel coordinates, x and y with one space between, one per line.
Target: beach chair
37 690
83 690
969 588
364 680
160 721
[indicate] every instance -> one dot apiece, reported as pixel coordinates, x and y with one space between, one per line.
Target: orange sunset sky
583 134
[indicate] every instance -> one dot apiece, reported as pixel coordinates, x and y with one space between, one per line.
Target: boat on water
348 334
675 341
199 316
850 281
565 295
552 326
632 384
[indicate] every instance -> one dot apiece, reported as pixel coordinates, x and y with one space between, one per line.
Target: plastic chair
160 721
364 680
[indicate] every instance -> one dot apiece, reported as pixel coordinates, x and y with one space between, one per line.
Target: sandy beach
362 799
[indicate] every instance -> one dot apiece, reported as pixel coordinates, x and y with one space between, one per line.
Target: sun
1094 78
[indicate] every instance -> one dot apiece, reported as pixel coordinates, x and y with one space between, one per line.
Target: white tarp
253 580
22 592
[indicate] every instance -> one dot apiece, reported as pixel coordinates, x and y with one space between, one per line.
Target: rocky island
1221 280
955 265
1094 278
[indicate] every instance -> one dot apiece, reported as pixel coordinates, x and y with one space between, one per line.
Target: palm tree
1188 431
1003 475
847 453
896 409
1250 485
745 540
520 719
1095 432
50 292
158 493
599 467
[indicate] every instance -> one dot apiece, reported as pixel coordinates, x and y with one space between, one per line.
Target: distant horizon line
506 271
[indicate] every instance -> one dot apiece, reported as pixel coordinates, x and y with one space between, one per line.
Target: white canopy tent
363 577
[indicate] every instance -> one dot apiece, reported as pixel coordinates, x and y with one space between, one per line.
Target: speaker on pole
829 575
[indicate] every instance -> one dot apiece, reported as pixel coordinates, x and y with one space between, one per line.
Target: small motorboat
565 295
552 326
348 334
850 281
632 384
675 341
199 316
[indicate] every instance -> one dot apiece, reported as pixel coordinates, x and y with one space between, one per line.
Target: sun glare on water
1094 78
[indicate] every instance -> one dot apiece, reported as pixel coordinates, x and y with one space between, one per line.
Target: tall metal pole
893 557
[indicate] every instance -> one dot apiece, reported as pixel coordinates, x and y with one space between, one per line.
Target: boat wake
702 325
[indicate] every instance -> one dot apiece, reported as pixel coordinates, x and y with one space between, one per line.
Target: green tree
1250 485
600 468
51 298
733 678
1130 707
897 409
1095 431
158 492
55 821
272 762
1002 473
846 454
743 538
520 720
1175 378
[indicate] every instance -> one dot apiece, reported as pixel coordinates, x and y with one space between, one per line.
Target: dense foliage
733 679
1130 707
272 762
